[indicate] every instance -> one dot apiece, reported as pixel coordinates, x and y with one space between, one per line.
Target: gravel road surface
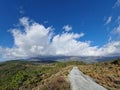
79 81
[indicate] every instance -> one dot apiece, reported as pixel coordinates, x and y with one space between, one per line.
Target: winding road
79 81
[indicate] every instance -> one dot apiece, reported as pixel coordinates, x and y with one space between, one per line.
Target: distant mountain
87 59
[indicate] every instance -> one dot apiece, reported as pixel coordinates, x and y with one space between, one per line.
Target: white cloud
66 44
37 40
67 28
109 19
110 49
45 22
110 38
116 33
117 4
116 30
21 10
118 20
33 41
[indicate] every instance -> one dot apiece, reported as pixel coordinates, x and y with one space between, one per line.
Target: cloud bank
34 39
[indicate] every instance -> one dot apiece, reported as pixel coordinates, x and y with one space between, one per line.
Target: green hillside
26 75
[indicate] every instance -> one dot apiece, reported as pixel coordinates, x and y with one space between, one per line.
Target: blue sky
97 19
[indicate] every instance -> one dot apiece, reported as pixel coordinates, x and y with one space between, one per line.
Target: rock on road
79 81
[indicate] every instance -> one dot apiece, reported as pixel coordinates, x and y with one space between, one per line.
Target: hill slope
106 74
27 75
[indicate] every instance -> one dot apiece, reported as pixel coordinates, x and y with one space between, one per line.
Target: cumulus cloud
67 28
109 19
32 42
66 44
36 40
110 49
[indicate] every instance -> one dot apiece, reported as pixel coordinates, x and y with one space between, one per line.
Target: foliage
24 74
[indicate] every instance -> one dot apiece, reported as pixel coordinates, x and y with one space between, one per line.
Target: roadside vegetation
26 75
106 74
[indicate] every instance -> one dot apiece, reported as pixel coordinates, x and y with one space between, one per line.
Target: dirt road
79 81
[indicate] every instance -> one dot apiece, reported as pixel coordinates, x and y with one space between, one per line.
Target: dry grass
54 76
58 81
106 74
